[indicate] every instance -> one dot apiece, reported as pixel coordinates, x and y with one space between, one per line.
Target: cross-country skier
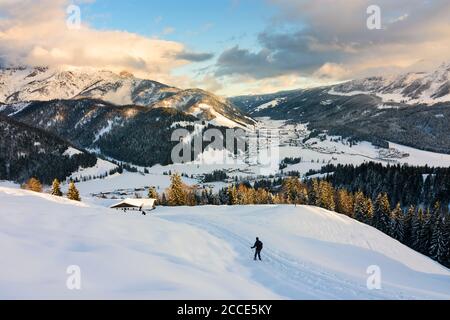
258 247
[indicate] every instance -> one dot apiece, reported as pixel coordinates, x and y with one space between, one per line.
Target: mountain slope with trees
29 152
132 134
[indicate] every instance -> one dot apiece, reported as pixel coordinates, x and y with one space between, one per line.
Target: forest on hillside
29 152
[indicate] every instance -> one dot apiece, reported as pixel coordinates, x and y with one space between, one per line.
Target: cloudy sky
230 47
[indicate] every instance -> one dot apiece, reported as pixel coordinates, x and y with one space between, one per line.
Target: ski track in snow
202 252
292 278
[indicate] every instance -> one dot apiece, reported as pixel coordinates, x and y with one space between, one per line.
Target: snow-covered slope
411 88
201 252
25 84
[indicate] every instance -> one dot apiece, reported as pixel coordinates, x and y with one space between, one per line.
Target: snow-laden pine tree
439 242
56 188
443 254
72 193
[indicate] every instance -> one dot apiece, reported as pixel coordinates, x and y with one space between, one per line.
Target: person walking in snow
258 247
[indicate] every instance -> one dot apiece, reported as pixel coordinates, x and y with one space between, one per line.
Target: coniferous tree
204 198
416 230
370 211
382 210
56 189
408 236
72 193
223 196
152 193
396 225
426 231
263 196
313 194
277 199
437 238
163 201
294 191
232 196
33 184
326 196
303 195
176 193
286 189
344 202
360 207
443 252
439 243
244 195
191 199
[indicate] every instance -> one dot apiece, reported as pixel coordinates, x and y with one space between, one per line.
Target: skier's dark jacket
258 245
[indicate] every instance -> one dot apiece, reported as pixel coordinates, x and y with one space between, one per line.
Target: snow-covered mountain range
100 110
96 110
410 88
23 84
411 109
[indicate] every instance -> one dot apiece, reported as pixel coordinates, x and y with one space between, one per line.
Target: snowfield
201 253
102 167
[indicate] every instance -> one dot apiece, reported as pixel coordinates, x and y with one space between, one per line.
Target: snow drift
201 253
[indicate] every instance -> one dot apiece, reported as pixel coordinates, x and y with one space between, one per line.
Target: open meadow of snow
127 180
330 152
317 152
201 253
102 167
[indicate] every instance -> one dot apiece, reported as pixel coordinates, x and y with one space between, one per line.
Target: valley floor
201 253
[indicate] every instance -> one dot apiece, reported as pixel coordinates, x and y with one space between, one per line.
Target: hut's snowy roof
135 203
